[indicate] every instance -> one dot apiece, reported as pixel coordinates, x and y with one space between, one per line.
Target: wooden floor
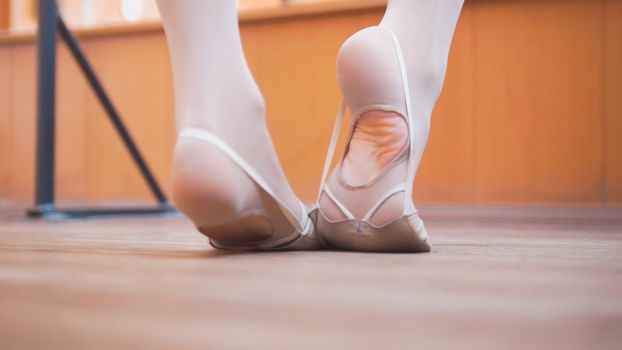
155 283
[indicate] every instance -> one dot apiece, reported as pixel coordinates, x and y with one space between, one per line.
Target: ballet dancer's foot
365 204
390 76
226 176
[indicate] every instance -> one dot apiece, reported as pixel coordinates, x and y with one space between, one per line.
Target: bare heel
226 199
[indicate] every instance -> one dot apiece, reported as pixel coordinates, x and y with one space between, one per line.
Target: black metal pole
46 75
77 53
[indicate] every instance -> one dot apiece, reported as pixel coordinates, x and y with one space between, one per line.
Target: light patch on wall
132 10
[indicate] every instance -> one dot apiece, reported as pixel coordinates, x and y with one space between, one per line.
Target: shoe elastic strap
339 205
204 135
332 145
339 122
409 112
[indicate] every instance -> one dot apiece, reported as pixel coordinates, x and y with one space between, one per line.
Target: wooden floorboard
155 283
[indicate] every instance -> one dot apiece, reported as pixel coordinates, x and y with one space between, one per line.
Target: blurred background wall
531 112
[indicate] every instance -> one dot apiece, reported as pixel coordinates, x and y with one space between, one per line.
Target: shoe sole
405 234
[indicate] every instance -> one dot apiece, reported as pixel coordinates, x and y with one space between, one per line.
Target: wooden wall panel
538 101
5 12
613 101
5 122
287 69
251 45
301 92
138 80
70 126
22 106
109 171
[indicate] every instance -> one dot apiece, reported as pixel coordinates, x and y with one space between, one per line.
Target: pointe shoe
213 201
349 216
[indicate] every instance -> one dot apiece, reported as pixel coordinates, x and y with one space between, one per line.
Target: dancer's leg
215 91
369 74
425 30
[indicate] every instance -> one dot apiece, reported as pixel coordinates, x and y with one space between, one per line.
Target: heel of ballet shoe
220 199
406 234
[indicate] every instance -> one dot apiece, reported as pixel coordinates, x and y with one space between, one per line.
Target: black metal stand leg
50 22
46 66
